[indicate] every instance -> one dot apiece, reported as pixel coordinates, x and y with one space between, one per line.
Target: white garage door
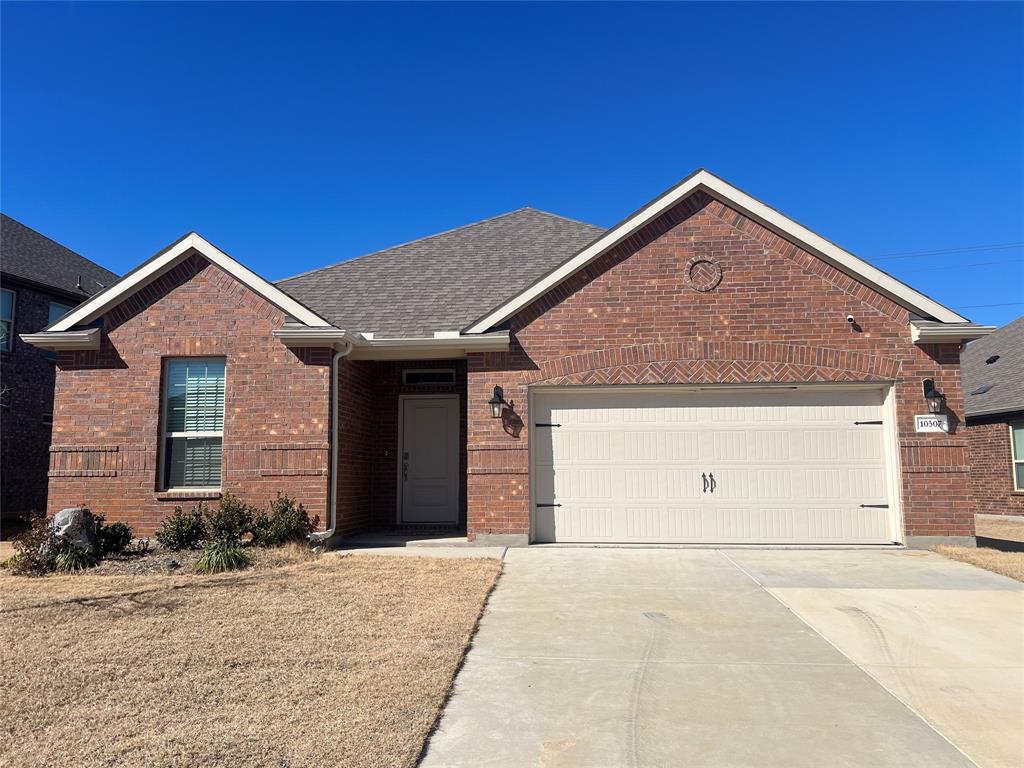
799 465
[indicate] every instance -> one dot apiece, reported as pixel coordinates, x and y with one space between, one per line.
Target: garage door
797 465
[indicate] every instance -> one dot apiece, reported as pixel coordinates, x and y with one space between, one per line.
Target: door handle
711 475
405 470
704 477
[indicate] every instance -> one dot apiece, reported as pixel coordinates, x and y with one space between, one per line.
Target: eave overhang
932 332
367 347
61 341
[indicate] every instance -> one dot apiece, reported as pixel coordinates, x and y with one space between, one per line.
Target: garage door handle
874 506
859 423
704 477
711 475
549 505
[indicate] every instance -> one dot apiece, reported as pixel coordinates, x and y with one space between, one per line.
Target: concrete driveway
686 657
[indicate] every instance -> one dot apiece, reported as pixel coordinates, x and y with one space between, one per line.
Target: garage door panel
789 465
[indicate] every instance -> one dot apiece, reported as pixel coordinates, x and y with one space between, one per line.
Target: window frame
7 345
50 354
162 485
407 383
1014 458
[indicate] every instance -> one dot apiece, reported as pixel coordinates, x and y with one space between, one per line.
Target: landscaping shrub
36 549
112 539
70 558
183 530
230 521
286 522
221 555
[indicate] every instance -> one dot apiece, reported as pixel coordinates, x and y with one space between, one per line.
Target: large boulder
77 526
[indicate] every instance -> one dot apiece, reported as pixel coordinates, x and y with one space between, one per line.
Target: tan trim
782 225
56 341
168 258
952 333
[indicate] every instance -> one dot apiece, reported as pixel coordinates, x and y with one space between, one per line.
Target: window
1017 451
57 311
440 376
193 421
6 319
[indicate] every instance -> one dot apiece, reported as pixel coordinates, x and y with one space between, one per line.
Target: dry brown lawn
1007 563
345 660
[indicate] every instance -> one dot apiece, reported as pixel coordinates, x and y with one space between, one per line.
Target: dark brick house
41 280
993 371
707 370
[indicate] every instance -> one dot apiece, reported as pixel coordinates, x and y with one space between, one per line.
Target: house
40 280
707 370
993 373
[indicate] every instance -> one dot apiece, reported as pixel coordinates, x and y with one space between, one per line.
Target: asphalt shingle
31 256
443 282
1000 384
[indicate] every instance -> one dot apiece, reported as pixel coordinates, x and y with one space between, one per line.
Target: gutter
87 338
317 537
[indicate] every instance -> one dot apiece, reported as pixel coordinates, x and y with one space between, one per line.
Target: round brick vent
703 274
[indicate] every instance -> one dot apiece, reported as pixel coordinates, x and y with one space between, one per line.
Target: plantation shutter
194 423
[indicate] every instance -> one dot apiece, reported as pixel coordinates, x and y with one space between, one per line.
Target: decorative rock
76 525
171 565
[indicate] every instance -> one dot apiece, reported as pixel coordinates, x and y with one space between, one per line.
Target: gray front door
429 459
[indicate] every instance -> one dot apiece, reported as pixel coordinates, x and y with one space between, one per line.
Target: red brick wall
107 403
778 315
992 469
356 409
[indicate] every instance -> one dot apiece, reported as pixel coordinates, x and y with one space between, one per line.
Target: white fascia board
755 209
297 337
86 338
168 258
945 334
428 348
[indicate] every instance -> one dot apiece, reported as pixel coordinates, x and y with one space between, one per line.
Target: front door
429 459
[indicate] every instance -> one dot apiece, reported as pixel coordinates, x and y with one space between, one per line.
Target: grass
1007 563
341 660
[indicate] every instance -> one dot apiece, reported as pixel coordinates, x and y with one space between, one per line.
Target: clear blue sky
296 135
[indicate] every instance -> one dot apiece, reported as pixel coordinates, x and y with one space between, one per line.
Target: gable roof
996 387
35 258
442 282
174 254
702 180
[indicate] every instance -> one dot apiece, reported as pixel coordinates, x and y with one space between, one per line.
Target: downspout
332 490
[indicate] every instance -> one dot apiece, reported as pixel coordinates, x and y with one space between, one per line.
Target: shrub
112 539
221 555
230 521
287 522
183 530
70 559
36 548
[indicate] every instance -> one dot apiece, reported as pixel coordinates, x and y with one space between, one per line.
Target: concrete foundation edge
501 540
927 542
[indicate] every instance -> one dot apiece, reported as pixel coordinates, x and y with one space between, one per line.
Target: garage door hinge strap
858 423
547 425
874 506
549 505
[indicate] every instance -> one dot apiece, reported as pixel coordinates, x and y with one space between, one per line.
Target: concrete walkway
633 657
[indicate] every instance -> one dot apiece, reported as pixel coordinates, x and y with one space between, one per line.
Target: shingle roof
1000 384
443 282
31 256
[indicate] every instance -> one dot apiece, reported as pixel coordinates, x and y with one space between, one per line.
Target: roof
443 282
1000 384
705 181
26 254
166 259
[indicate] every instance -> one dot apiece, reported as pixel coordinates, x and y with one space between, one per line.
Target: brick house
993 372
40 280
707 370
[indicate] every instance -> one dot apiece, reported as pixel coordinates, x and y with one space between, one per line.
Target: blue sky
298 135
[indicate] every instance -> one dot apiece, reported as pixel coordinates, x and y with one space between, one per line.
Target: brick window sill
187 495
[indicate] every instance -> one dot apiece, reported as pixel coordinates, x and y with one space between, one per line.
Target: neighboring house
40 281
993 372
707 370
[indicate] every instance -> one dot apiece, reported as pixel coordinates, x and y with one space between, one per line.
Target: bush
36 548
183 530
287 522
221 555
70 559
112 539
230 521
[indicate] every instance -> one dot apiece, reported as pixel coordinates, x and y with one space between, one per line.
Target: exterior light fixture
496 402
936 400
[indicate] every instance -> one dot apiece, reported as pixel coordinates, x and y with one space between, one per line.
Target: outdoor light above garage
936 400
496 402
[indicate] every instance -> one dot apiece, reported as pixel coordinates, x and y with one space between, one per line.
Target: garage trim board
810 464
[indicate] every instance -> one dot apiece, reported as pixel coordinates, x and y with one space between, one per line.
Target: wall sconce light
936 400
496 402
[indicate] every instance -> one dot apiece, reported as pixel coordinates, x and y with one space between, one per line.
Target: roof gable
702 180
35 258
166 259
